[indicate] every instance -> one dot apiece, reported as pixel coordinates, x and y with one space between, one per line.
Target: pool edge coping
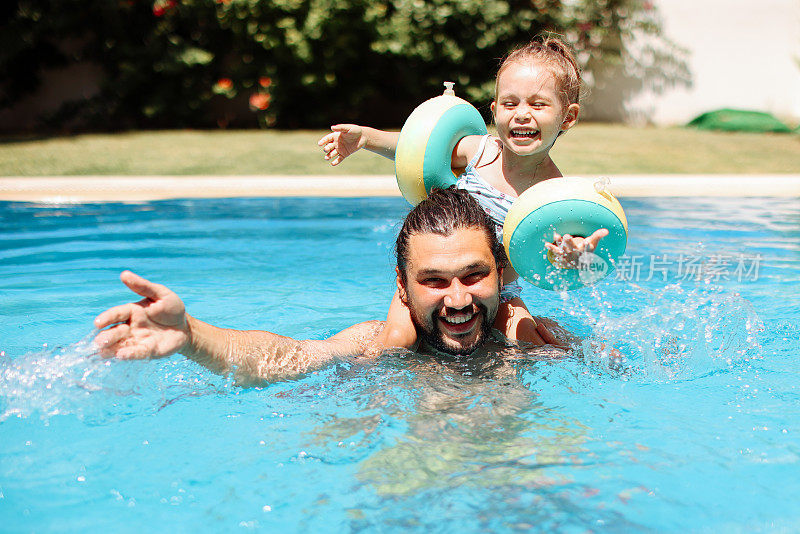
144 188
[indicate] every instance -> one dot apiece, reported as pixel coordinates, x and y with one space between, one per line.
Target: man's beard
433 335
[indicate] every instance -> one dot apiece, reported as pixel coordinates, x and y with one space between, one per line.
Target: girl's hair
557 56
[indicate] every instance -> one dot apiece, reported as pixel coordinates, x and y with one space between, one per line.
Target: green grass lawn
587 149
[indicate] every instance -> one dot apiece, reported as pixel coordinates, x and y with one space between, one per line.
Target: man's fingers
133 352
143 287
117 314
108 338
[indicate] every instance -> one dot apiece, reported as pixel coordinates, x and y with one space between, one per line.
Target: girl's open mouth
524 134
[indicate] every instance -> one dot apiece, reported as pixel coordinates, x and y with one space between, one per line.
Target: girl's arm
516 322
464 151
346 139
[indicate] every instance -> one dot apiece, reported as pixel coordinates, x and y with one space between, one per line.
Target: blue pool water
697 429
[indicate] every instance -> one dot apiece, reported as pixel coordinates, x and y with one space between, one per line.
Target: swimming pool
696 430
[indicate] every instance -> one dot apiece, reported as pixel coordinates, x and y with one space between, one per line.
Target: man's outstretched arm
158 326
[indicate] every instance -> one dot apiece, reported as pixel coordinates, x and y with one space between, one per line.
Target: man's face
452 289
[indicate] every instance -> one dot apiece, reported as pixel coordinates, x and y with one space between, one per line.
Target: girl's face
529 113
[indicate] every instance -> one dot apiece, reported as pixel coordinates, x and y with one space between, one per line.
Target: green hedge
287 63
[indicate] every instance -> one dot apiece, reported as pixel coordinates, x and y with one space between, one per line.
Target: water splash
75 379
677 332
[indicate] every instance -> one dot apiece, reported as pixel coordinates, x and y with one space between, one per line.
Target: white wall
742 54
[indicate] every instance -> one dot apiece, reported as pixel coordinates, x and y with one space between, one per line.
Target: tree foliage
289 63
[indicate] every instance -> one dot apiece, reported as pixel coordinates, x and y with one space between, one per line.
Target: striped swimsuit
495 203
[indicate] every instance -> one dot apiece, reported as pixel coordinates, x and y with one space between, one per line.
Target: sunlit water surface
698 428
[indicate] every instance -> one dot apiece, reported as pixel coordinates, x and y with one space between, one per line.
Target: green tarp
736 120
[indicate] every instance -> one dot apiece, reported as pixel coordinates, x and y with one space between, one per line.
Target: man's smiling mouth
459 319
460 323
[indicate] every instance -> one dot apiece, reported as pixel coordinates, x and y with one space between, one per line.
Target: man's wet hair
442 213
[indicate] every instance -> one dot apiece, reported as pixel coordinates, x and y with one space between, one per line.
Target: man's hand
158 326
154 327
343 140
566 250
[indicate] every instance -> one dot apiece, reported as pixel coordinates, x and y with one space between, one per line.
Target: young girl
536 100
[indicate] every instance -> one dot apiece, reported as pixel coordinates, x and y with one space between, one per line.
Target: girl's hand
567 249
343 140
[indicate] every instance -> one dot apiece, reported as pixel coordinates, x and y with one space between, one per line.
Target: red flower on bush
259 101
265 81
225 84
160 8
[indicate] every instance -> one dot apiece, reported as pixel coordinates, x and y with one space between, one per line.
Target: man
449 272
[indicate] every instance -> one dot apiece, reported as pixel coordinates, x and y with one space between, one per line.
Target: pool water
697 428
